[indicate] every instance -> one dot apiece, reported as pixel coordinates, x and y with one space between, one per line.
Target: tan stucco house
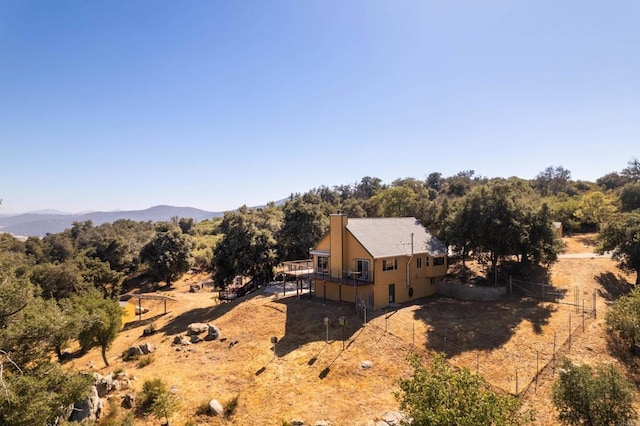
377 261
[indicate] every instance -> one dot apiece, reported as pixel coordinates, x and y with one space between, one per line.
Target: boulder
296 422
215 407
213 333
146 348
90 408
141 310
196 328
195 338
127 401
135 351
366 364
393 418
322 423
104 385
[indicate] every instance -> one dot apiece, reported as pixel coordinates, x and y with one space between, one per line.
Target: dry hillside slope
507 341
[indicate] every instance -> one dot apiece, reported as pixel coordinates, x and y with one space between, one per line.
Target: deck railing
346 278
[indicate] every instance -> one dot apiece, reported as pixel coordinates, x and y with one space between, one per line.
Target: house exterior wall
419 279
345 250
337 223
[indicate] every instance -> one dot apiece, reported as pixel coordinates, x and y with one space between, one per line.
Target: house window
418 262
390 265
426 261
323 265
362 268
438 261
432 280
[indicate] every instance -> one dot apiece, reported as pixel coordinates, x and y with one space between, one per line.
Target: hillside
507 341
39 224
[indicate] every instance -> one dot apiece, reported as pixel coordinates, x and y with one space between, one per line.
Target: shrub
150 330
151 390
203 409
155 398
126 356
600 397
145 360
230 406
443 395
625 317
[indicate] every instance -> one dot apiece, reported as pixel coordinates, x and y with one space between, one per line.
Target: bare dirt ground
507 341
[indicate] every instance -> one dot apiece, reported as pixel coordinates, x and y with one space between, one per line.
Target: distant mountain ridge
39 224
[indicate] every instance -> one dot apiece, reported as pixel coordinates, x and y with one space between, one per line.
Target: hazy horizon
126 105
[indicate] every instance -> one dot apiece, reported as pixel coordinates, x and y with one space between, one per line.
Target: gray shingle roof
391 236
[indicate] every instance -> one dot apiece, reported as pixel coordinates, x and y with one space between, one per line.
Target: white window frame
364 275
319 268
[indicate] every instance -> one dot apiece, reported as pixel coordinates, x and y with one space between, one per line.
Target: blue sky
110 105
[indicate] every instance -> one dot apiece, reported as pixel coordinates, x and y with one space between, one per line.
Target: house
377 261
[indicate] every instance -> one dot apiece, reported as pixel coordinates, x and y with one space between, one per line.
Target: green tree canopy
101 321
58 280
249 245
168 254
40 395
630 197
442 395
594 398
595 208
621 236
625 317
303 225
552 181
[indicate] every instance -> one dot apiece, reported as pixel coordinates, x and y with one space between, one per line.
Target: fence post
569 331
554 352
537 370
595 314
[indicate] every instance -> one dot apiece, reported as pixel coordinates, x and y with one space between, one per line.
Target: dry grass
313 380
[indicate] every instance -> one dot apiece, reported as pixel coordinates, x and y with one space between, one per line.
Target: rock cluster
138 350
111 382
91 407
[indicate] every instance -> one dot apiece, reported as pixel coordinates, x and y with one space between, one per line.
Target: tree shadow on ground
179 324
137 323
457 326
588 240
305 322
613 287
621 350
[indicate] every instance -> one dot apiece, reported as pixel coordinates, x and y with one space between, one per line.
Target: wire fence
515 369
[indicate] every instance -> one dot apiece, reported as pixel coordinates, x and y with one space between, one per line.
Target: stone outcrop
139 350
90 408
197 328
